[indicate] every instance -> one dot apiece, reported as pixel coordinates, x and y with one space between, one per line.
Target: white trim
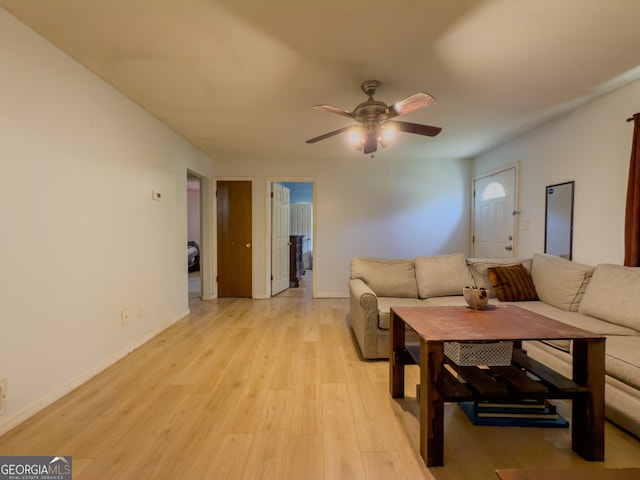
331 295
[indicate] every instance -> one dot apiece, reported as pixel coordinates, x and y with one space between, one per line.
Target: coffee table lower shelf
499 384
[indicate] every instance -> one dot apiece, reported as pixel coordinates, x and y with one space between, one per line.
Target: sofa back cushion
386 277
442 275
478 269
612 295
560 282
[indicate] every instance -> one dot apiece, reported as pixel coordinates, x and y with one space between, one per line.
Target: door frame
192 177
269 181
206 265
214 230
516 202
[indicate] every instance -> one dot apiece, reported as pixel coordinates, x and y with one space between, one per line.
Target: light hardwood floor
273 389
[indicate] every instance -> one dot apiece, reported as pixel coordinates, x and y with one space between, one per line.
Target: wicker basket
485 353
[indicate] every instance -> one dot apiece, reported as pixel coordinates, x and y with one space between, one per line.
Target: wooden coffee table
436 325
566 474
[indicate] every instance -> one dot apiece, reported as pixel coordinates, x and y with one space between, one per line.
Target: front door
234 238
494 215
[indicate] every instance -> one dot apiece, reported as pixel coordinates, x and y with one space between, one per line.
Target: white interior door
280 227
302 224
494 215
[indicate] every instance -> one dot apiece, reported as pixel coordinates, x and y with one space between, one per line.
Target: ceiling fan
375 119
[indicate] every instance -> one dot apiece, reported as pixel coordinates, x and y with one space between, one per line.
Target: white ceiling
238 78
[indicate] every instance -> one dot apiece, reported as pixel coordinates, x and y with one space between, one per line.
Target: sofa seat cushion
560 282
442 275
625 387
386 277
385 304
576 319
450 301
478 268
612 295
623 359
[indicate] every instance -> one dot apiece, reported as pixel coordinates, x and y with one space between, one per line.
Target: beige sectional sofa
601 299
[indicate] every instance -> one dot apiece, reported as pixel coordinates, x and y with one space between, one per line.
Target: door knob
248 245
508 248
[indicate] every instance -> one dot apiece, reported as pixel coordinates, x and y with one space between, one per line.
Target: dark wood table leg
431 403
396 356
587 434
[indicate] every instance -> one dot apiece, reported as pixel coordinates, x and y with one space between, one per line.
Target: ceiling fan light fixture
356 138
386 135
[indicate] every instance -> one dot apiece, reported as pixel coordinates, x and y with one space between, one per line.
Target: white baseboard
332 295
20 416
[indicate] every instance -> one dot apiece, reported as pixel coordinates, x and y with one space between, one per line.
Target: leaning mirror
558 234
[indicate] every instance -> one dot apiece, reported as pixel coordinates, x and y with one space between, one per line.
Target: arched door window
492 191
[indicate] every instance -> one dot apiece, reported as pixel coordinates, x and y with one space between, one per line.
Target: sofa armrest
364 317
364 295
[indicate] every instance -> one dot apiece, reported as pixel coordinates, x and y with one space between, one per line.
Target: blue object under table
510 417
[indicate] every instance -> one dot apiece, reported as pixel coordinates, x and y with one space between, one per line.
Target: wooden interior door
234 239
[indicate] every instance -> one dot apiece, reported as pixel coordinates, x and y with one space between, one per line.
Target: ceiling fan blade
410 104
370 143
331 134
330 109
408 127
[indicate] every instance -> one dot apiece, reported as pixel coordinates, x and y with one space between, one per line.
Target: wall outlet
142 309
125 317
3 396
524 225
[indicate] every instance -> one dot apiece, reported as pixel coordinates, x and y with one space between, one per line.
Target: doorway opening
291 236
194 235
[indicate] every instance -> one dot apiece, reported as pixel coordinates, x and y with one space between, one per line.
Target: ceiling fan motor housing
371 110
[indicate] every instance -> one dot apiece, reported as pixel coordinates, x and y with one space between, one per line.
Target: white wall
592 146
81 238
364 207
